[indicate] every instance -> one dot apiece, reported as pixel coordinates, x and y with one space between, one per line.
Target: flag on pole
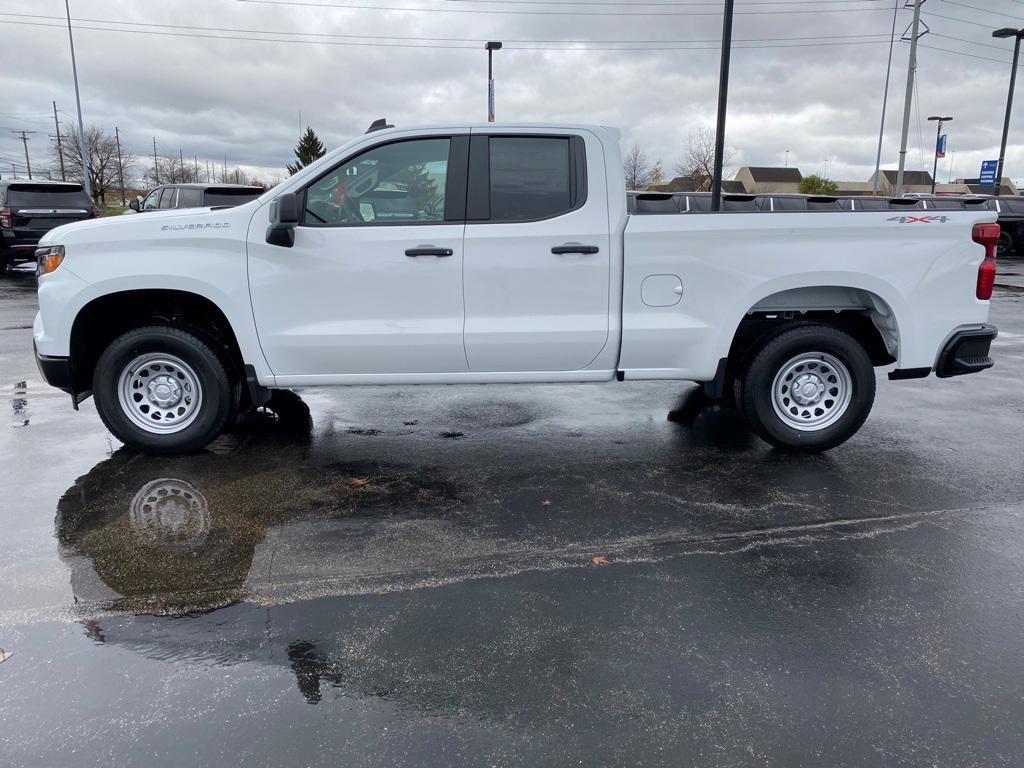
940 147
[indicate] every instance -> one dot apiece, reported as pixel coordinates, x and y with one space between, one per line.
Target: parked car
171 196
507 254
29 209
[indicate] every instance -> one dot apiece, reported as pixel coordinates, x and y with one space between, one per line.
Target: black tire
217 404
756 388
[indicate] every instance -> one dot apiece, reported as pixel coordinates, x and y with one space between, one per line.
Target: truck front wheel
808 389
162 390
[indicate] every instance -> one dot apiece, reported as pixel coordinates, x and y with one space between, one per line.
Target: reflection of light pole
938 135
1016 34
491 47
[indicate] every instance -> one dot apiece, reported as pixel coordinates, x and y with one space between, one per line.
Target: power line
716 13
471 45
984 10
474 41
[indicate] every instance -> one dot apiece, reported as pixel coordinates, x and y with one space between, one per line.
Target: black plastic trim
478 199
909 373
56 371
258 394
716 387
457 180
966 352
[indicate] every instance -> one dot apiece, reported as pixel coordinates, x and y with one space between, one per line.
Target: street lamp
492 46
938 135
1016 34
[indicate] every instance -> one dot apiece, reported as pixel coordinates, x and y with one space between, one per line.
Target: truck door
537 257
373 282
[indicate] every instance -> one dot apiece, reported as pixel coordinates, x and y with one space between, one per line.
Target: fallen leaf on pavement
266 603
4 655
599 560
358 482
547 502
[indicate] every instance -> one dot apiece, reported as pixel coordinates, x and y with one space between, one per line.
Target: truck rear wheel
808 389
163 390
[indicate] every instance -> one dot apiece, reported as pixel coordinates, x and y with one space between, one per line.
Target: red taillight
988 236
6 219
94 213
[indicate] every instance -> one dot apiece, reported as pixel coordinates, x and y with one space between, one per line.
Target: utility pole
24 140
224 177
78 102
181 162
195 159
120 165
885 102
60 145
787 158
909 98
156 165
723 100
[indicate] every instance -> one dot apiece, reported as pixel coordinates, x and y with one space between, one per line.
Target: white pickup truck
509 253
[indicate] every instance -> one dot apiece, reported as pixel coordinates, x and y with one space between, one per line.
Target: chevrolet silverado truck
503 254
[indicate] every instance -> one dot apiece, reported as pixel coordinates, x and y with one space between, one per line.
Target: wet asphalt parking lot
392 577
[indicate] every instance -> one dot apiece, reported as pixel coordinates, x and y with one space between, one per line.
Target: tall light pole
1016 34
78 103
938 138
723 100
492 46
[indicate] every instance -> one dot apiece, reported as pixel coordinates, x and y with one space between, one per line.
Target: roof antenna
379 125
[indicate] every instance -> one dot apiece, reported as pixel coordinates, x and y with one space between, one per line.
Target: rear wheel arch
861 313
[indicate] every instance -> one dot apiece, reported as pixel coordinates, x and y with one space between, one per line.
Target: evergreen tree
308 149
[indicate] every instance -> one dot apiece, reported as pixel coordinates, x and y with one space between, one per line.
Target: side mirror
134 205
284 217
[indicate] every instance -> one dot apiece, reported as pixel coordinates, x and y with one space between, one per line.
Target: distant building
1006 187
913 181
763 179
696 184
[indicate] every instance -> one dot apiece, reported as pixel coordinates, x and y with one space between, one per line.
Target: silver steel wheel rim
812 391
159 393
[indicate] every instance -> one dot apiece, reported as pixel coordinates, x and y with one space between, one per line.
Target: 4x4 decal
918 219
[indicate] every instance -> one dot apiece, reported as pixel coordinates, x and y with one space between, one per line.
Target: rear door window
45 196
190 198
531 178
231 196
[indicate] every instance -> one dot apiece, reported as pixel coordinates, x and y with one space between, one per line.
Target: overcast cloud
241 98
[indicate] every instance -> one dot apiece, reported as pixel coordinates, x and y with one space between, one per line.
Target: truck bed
648 203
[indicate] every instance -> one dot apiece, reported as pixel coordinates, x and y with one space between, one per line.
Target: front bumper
56 371
966 352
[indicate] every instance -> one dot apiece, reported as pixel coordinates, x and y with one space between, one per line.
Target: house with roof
764 179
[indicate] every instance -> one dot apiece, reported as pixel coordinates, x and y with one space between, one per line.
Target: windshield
46 196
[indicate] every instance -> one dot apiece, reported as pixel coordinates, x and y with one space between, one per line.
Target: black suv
29 209
195 196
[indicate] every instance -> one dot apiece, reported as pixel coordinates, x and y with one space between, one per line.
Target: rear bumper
966 352
56 371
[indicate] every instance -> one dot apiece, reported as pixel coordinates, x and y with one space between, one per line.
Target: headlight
48 259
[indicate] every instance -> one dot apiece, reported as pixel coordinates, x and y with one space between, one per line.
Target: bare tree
172 170
101 148
657 175
637 168
698 158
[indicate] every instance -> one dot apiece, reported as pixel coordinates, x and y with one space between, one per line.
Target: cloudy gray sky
807 75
